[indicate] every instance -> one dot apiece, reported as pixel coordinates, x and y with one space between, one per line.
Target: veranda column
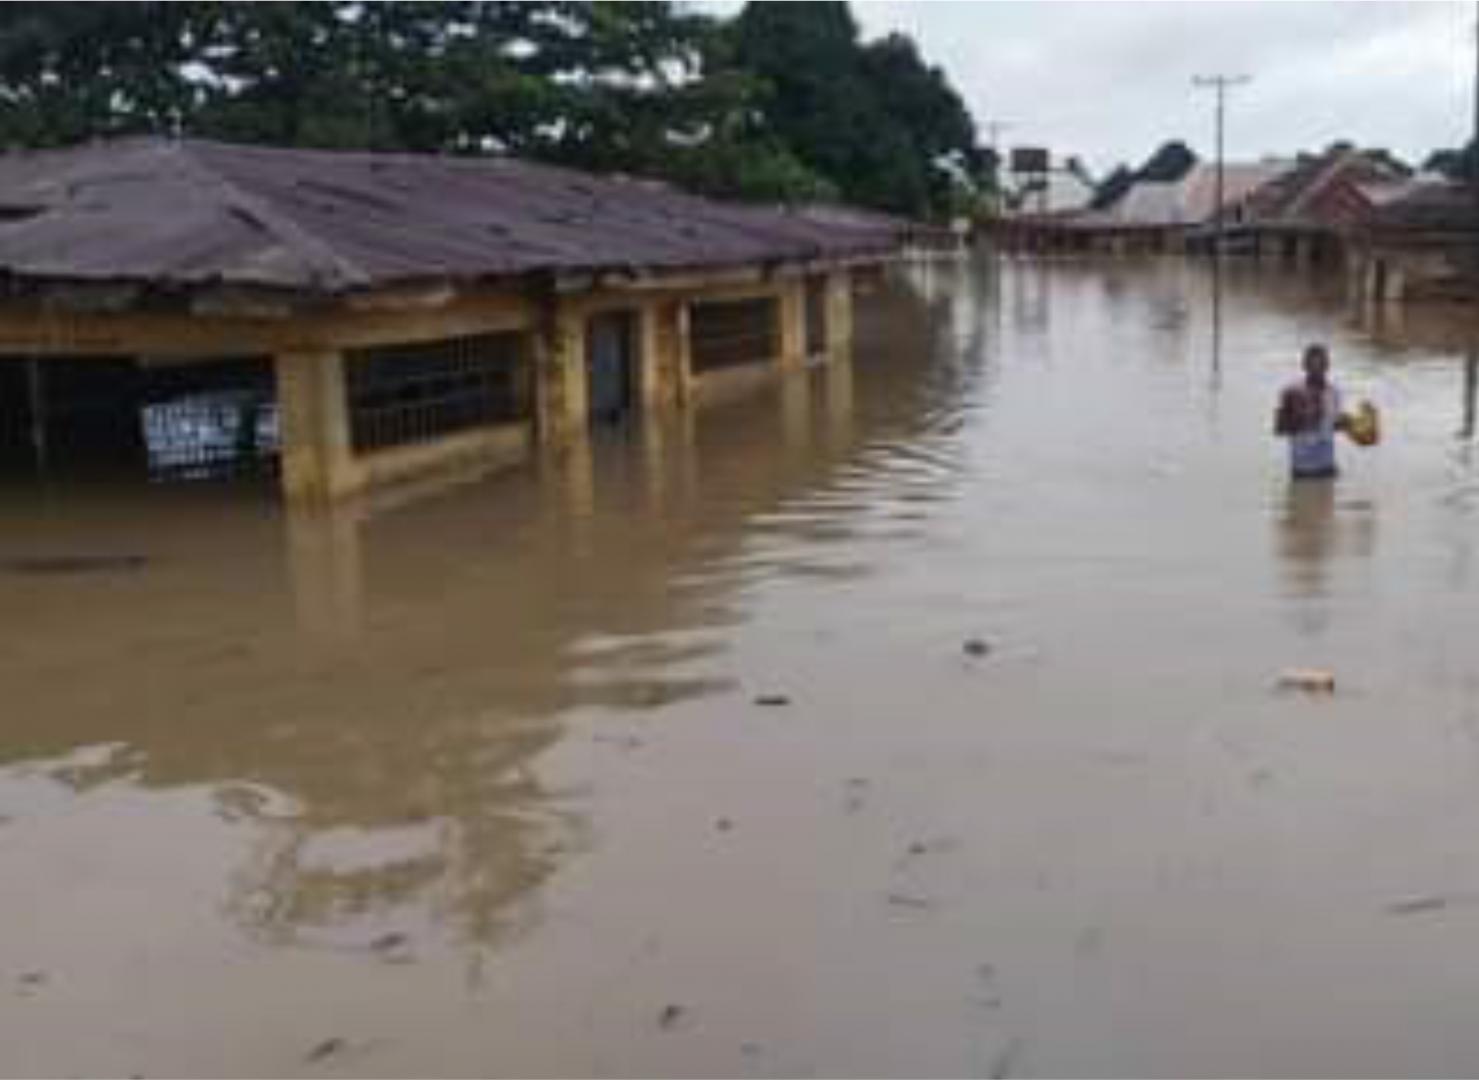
839 315
791 311
313 408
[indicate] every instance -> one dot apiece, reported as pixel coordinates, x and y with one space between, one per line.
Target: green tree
1109 191
1170 162
1454 164
782 103
73 71
884 127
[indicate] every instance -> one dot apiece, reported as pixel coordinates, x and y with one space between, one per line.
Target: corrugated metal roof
1192 200
1240 179
1442 206
192 212
1293 196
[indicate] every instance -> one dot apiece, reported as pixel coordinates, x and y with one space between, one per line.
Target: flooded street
670 758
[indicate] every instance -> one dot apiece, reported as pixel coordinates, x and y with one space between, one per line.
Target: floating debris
1417 905
625 742
1309 680
919 847
670 1016
74 564
909 901
393 947
724 824
772 700
975 647
326 1049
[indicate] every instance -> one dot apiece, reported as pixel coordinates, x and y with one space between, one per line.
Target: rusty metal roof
1436 206
192 212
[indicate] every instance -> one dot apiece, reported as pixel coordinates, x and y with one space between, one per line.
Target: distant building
1308 214
1420 241
1152 215
1058 188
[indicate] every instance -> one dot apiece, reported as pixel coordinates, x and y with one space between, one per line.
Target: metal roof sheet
190 212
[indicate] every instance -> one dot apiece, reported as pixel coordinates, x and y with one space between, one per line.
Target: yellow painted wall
307 351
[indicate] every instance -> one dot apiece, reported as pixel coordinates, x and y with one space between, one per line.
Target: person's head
1316 363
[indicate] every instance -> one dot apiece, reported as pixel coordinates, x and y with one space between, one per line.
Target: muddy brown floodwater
675 760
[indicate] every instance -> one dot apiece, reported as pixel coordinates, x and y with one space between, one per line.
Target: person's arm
1289 414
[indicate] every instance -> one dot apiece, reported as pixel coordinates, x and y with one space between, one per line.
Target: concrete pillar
1396 290
313 409
682 353
647 361
791 312
838 308
664 361
1355 279
558 349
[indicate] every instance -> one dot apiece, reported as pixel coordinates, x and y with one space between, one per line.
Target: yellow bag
1364 426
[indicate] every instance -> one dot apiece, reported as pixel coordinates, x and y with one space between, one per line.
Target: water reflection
371 710
1306 535
1320 530
505 709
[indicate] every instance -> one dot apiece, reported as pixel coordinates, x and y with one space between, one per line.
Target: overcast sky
1111 79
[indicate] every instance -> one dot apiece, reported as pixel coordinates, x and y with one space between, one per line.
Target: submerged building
1420 242
352 318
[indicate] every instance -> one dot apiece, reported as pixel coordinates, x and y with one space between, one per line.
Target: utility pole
1221 84
1473 154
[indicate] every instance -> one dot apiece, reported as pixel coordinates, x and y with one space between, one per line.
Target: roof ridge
1323 176
262 213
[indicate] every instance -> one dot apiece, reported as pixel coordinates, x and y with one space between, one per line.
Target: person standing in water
1309 416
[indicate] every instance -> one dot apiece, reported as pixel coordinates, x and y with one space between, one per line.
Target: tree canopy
783 101
1170 162
1454 164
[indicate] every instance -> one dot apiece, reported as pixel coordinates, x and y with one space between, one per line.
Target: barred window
415 392
733 332
209 420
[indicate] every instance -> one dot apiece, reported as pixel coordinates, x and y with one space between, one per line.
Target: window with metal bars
210 420
731 332
410 393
